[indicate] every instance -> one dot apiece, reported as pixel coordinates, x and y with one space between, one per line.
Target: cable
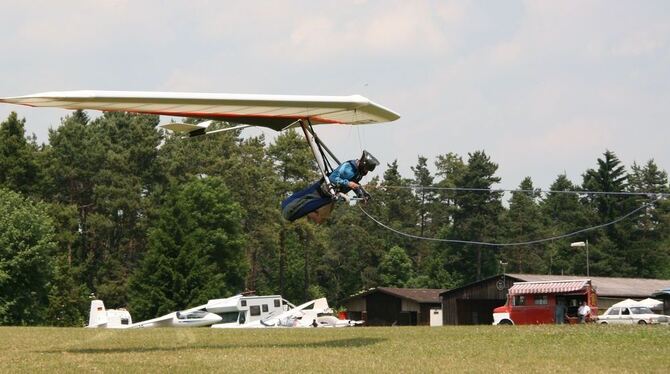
510 244
582 192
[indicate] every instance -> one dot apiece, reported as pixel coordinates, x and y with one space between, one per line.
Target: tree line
115 208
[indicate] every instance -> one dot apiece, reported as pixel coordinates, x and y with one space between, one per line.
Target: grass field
577 349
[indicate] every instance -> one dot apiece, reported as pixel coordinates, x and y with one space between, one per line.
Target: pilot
317 203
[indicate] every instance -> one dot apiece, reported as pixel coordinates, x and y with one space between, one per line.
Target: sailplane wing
274 111
155 322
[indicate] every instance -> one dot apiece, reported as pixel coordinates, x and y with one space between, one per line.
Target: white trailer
239 310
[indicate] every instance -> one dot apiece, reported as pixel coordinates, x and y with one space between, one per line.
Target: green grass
521 349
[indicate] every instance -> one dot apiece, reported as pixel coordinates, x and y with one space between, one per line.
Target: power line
472 189
563 236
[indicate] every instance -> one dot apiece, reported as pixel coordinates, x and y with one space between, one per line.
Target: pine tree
293 160
648 252
450 169
18 165
609 177
563 213
476 218
524 223
195 251
608 253
425 205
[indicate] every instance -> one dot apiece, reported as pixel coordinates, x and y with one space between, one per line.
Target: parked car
630 315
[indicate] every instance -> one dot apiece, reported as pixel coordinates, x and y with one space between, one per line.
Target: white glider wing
162 321
273 111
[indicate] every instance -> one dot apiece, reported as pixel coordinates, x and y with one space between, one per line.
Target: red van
533 303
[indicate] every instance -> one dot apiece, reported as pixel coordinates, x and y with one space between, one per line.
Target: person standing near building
584 311
559 313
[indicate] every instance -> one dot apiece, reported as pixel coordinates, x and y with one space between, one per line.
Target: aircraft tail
98 315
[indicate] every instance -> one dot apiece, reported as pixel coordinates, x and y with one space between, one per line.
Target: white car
630 315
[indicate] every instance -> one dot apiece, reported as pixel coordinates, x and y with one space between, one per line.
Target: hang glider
277 112
273 111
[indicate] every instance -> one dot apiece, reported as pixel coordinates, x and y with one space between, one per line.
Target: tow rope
490 244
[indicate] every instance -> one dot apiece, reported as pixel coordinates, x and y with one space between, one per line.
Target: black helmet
367 163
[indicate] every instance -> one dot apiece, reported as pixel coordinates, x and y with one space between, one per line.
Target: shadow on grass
340 343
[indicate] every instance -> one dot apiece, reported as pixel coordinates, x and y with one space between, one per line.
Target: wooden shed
388 306
473 303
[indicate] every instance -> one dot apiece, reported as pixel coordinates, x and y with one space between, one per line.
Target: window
124 321
265 308
197 314
244 303
625 312
541 300
255 310
613 312
519 300
277 303
229 317
640 310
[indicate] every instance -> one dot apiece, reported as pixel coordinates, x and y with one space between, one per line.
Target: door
613 316
626 317
436 316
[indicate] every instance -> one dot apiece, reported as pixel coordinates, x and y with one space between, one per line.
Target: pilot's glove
342 197
362 194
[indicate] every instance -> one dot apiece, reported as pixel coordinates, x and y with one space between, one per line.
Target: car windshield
640 310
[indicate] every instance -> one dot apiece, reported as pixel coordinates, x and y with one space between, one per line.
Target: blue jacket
343 174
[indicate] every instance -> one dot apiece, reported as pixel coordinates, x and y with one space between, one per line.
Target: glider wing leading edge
273 111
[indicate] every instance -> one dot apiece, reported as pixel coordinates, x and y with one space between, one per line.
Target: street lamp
583 244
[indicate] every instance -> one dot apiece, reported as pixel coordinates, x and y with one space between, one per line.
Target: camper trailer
238 311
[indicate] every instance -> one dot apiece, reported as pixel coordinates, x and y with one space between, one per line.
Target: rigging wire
472 189
326 163
490 244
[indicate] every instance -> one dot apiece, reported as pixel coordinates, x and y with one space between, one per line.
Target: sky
543 87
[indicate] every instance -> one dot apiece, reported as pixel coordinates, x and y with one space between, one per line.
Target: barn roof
419 295
607 286
604 286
